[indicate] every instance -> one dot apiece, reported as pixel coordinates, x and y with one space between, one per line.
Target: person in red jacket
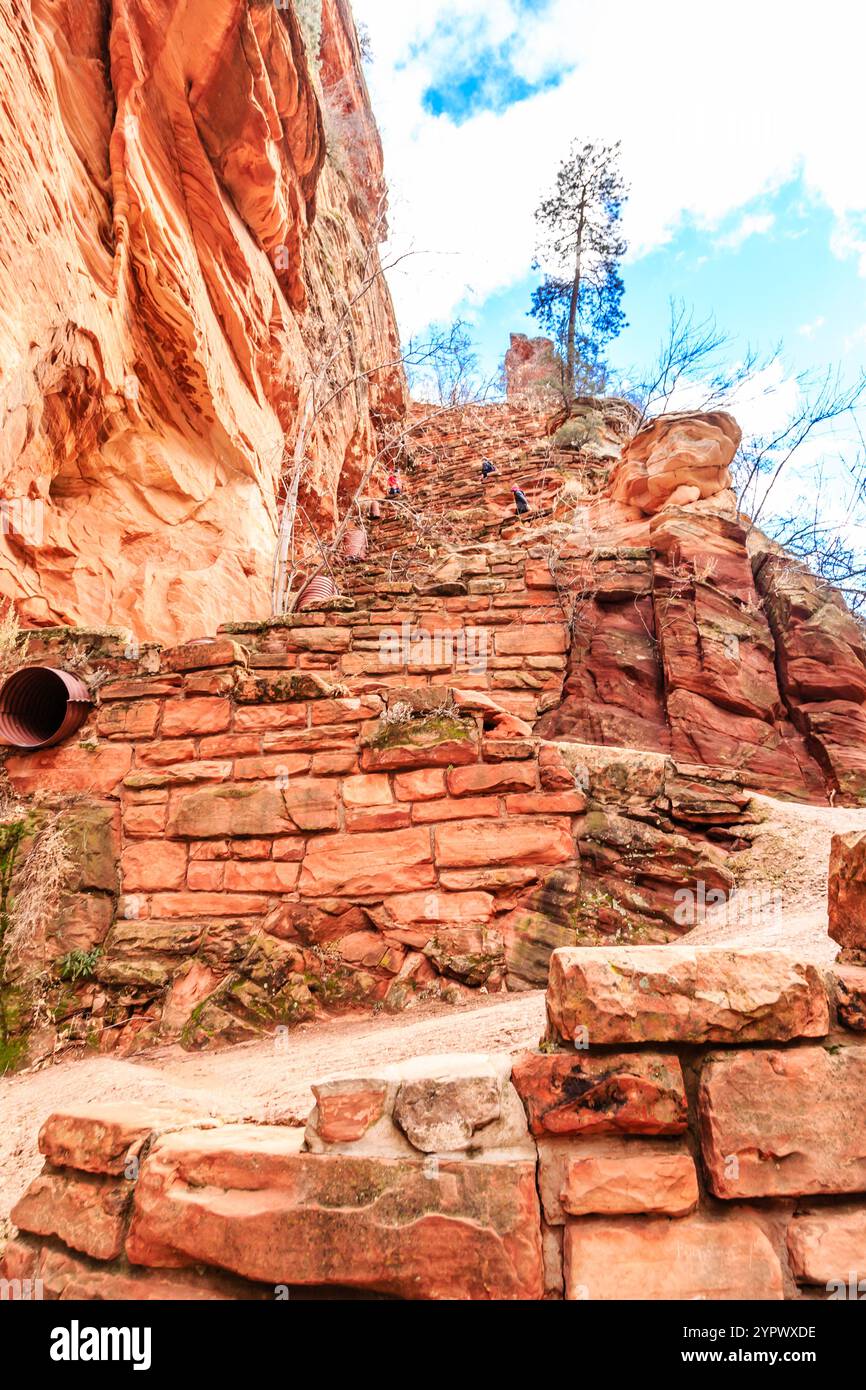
394 488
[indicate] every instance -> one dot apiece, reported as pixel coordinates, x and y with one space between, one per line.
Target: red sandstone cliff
187 205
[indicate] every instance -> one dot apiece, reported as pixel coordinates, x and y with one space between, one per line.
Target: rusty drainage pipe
40 706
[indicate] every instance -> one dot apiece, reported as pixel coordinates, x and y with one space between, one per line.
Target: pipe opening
41 706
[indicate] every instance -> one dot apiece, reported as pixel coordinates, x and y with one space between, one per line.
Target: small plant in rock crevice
77 965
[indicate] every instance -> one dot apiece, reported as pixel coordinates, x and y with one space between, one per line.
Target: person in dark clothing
487 467
520 501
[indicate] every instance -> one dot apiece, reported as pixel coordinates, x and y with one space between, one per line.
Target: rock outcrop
676 459
533 372
194 192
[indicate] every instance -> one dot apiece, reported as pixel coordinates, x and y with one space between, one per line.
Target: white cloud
808 330
715 108
752 224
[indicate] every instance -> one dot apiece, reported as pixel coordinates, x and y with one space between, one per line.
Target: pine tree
580 247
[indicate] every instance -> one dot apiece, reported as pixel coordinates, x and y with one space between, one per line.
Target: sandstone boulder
245 1199
682 994
675 460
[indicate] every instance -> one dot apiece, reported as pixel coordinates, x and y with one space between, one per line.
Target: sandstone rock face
656 1259
178 180
785 1124
821 657
847 890
675 460
678 994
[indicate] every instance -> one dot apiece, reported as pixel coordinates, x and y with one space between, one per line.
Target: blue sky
741 141
782 285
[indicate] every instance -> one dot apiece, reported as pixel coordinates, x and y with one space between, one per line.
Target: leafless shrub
13 643
705 568
43 876
399 713
77 659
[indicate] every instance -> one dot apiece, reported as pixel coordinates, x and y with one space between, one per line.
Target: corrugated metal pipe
41 706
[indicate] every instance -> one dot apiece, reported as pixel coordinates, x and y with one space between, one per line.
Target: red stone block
135 720
325 737
203 876
101 1138
262 718
652 1258
140 688
199 656
244 1198
288 850
149 865
378 818
318 639
784 1123
334 764
641 994
373 865
70 768
482 779
208 905
447 752
551 804
827 1246
145 820
367 789
425 784
88 1213
195 717
347 711
264 876
579 1093
210 683
165 754
251 849
345 1110
534 639
260 769
481 844
230 746
477 807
